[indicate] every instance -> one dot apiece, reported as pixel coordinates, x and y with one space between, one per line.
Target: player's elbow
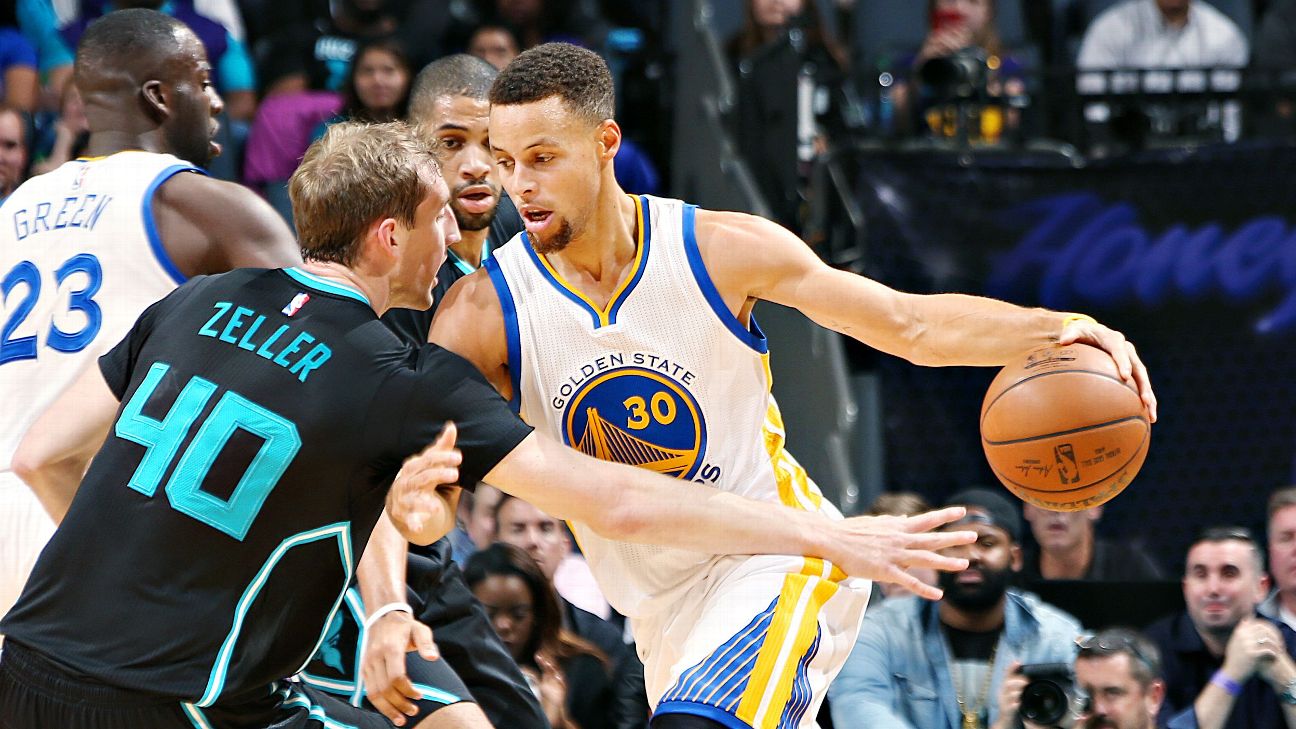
622 519
29 462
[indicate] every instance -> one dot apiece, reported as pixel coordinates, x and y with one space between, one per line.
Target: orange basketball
1061 430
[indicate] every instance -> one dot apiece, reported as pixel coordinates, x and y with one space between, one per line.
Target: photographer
951 664
1120 671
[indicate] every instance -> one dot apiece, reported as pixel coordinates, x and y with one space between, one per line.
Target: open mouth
536 219
477 200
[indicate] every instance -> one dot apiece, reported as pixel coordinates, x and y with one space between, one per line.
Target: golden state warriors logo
638 417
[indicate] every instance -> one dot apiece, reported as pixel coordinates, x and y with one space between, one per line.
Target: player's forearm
957 329
381 572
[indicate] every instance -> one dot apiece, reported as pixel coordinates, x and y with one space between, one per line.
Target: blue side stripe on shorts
802 694
729 666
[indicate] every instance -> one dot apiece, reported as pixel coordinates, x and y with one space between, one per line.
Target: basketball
1062 430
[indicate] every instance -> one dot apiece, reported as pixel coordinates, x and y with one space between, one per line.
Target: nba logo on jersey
79 180
638 417
296 304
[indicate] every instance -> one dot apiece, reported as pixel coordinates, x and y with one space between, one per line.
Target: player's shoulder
205 192
728 225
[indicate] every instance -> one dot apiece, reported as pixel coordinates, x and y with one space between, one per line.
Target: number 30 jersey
80 258
664 378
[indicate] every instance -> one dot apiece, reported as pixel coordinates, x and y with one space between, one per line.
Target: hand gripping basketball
1078 328
881 548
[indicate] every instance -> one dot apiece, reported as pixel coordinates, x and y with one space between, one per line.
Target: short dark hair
123 38
1231 533
1145 658
457 75
577 76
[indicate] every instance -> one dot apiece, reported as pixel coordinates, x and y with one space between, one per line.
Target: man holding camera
957 663
1226 667
1120 671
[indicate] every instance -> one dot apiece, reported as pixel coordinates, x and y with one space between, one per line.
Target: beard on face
976 597
473 221
190 140
559 241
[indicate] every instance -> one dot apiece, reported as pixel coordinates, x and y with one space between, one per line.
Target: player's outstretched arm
634 505
54 454
213 226
752 258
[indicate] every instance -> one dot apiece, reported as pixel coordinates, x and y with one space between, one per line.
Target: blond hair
353 176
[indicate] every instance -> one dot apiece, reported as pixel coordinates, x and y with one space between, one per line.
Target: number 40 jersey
80 259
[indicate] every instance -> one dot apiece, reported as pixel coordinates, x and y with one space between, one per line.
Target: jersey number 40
163 438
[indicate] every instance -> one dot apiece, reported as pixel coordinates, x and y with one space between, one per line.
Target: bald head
457 75
125 48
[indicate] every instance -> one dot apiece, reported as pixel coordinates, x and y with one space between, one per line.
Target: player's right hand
387 683
413 503
882 548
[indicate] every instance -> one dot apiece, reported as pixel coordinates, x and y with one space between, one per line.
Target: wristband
1231 687
391 607
1073 318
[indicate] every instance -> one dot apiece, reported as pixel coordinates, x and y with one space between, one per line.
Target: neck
982 621
102 144
469 247
607 244
1175 17
375 288
1071 563
1215 645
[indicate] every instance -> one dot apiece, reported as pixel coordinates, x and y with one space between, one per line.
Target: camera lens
1043 702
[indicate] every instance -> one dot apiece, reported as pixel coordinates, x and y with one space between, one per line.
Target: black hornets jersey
263 416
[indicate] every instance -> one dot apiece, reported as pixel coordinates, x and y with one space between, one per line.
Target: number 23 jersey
664 377
80 258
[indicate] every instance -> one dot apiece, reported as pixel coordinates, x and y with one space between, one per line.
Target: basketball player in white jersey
622 324
85 248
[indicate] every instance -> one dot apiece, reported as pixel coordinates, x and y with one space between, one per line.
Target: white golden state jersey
664 378
80 259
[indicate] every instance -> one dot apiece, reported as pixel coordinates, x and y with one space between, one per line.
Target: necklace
971 713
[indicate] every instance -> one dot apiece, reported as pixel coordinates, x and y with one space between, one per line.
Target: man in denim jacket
938 665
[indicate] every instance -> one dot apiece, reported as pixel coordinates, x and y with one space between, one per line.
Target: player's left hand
413 503
387 683
1128 364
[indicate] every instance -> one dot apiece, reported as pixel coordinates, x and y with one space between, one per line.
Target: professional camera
1051 698
962 75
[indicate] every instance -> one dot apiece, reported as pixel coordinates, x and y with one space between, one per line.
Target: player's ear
154 99
382 236
609 135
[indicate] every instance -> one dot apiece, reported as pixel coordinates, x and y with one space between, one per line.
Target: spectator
1069 550
232 69
475 529
1139 34
569 674
1223 665
540 21
68 136
546 539
1275 52
950 664
1280 606
18 80
957 28
900 503
13 150
1120 671
377 87
494 44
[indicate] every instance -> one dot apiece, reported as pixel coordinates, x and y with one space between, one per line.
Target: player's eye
451 143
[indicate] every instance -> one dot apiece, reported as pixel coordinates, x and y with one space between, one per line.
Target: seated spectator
1274 52
534 22
1120 671
494 44
1224 666
377 87
19 86
924 97
1139 34
13 150
475 527
1069 550
66 138
953 664
900 503
232 69
547 540
315 54
572 677
1280 606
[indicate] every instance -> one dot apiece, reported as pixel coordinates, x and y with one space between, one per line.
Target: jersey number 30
26 274
234 516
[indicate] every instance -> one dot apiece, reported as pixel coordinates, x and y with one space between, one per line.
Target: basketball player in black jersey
251 426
